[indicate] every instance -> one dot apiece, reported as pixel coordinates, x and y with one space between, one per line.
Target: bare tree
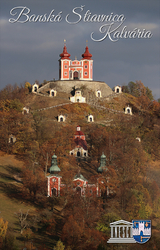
22 217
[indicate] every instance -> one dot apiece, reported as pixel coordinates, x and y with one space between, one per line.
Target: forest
31 220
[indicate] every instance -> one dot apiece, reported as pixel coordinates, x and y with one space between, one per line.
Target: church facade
76 69
80 185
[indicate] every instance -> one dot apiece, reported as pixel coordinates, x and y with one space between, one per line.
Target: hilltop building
75 70
74 74
35 88
118 89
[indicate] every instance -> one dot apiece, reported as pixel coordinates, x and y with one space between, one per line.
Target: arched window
117 90
54 192
78 154
75 75
78 191
52 93
77 100
128 111
35 89
61 119
90 119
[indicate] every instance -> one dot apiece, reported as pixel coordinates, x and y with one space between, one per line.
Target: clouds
30 51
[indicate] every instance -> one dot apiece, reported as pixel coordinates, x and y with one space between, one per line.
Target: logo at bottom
130 232
141 230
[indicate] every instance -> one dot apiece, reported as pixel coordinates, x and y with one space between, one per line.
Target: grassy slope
9 187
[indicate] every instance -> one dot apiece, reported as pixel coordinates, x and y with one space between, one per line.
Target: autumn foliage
128 189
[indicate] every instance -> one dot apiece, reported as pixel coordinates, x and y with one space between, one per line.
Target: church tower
75 70
64 64
54 179
102 166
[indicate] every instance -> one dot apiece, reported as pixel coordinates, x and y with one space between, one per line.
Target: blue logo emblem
141 230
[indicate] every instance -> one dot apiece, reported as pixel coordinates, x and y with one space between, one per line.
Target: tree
72 232
28 86
149 94
3 228
11 92
22 217
80 217
28 234
138 89
59 246
12 122
133 90
34 180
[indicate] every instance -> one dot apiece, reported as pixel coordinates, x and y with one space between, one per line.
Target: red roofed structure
86 54
76 69
65 54
80 144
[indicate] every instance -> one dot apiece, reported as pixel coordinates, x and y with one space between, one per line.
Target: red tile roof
80 142
86 54
79 133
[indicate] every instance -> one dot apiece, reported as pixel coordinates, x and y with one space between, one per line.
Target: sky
123 37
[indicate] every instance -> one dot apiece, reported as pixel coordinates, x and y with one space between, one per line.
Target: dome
54 167
54 156
86 54
103 156
65 54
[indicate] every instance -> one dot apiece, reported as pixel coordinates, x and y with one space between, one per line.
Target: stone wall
68 86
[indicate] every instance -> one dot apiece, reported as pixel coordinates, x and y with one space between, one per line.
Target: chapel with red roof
80 144
75 70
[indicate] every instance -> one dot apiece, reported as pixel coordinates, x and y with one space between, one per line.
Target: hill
133 165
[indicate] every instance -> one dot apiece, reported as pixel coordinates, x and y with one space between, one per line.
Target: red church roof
80 139
65 54
82 143
86 54
79 133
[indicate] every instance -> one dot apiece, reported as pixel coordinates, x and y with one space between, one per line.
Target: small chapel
80 144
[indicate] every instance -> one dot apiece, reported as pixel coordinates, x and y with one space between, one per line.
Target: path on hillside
58 105
89 103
